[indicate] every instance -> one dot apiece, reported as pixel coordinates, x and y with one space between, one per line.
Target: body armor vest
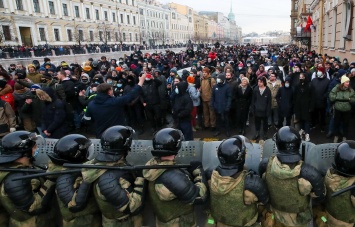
230 209
284 193
91 208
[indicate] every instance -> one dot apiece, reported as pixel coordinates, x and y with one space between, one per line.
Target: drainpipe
320 27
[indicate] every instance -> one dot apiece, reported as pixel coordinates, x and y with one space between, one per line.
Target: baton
46 174
131 168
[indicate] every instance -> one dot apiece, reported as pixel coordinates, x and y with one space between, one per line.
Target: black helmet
16 145
71 148
167 142
344 159
288 142
115 142
231 154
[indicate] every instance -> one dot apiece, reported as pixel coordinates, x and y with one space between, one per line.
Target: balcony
303 36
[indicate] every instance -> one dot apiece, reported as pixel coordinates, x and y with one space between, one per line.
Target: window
326 30
56 34
42 34
190 19
108 36
105 14
87 13
76 9
134 20
91 34
100 35
81 35
334 28
130 37
97 14
124 36
166 17
127 2
116 36
36 6
70 35
19 5
140 11
65 9
132 2
128 19
2 4
6 32
136 37
51 8
114 17
173 15
121 18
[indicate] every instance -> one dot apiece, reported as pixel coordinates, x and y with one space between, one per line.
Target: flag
308 25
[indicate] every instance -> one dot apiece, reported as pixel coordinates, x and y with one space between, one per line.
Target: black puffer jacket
151 91
183 104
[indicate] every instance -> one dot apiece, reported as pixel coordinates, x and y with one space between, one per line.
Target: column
29 6
45 7
83 14
59 6
93 11
71 10
12 7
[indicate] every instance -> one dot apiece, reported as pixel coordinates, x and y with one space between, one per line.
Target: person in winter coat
88 70
243 96
261 107
21 96
151 101
221 103
182 109
106 110
342 96
319 87
163 94
7 119
261 71
207 83
334 82
53 122
195 97
303 104
33 74
274 84
284 98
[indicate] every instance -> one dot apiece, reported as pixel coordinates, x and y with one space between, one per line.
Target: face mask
33 92
198 65
302 80
219 80
345 62
109 82
177 90
240 68
97 82
112 68
253 62
147 79
119 85
248 65
287 85
319 74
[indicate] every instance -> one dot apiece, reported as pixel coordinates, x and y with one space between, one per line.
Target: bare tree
105 33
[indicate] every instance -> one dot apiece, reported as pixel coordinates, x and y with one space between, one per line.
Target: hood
337 182
340 73
43 95
283 171
182 86
153 174
224 184
22 93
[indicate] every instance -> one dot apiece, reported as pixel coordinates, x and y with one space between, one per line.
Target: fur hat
191 79
344 79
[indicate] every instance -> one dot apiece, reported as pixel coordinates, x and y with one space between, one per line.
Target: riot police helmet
288 142
231 154
72 148
167 142
115 143
16 145
344 159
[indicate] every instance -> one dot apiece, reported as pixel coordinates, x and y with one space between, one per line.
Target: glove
193 166
12 129
35 183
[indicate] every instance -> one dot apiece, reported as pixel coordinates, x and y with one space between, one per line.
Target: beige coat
274 90
206 88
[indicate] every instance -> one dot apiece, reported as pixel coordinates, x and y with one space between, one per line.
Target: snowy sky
252 15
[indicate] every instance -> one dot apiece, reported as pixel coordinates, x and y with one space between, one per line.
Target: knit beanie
344 79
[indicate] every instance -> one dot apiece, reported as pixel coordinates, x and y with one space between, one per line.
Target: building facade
154 23
69 22
200 28
182 22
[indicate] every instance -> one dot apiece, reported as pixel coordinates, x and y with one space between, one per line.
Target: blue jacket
221 98
107 111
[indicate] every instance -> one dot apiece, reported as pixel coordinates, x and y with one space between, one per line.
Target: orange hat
118 68
191 79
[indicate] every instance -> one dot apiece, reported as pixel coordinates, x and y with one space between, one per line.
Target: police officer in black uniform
76 201
290 181
28 202
235 204
173 192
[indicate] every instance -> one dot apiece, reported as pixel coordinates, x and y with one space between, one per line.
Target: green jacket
342 99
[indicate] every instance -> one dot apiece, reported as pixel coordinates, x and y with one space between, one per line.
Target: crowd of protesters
220 88
46 50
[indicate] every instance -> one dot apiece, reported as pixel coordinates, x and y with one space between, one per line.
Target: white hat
344 79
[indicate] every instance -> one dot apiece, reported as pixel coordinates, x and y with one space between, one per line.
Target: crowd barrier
320 156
